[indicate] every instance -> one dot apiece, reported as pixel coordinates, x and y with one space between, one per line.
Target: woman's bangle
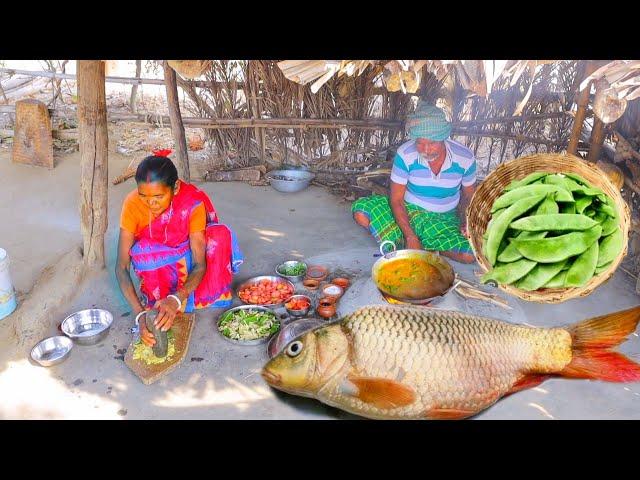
175 297
138 317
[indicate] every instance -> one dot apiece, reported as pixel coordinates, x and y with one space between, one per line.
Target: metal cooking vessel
448 275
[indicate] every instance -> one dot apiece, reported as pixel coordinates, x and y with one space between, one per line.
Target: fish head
308 362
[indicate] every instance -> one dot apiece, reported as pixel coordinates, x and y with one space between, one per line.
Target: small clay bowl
311 284
332 290
326 302
317 272
326 311
342 282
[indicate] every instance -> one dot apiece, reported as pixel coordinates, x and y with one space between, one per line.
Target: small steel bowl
52 350
257 341
271 278
87 327
290 181
292 263
299 313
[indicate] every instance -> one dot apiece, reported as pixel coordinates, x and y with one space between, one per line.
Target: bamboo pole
596 140
94 150
581 113
177 127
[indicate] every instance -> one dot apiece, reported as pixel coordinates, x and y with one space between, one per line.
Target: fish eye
294 349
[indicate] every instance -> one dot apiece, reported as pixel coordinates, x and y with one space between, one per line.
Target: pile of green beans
551 231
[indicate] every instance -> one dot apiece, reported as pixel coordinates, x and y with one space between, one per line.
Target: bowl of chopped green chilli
248 325
293 270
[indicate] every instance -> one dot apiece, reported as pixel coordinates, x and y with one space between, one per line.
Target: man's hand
463 229
413 242
167 310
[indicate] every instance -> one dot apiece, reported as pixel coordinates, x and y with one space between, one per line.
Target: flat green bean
566 182
532 177
610 246
509 272
568 208
583 267
540 275
554 221
556 249
583 203
609 226
511 253
557 281
498 229
513 196
549 205
602 268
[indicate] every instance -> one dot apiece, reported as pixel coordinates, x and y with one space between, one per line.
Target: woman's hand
145 335
167 310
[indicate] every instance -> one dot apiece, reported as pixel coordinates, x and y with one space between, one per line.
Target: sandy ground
218 380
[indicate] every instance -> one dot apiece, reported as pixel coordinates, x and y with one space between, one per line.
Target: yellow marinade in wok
411 278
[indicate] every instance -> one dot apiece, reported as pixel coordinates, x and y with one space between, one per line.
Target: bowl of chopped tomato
266 290
298 305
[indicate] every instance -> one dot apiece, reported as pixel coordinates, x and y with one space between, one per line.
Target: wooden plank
182 329
94 159
32 143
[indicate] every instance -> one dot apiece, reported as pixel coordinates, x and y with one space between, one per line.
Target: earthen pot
336 293
311 284
326 311
342 282
317 272
325 301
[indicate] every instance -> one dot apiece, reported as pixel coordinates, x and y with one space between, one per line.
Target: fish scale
455 360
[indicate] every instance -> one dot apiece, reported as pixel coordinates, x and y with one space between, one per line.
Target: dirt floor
218 380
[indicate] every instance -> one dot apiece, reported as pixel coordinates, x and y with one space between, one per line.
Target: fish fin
448 413
595 364
381 392
605 331
528 381
591 341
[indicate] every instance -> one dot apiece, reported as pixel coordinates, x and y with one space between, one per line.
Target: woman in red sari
170 234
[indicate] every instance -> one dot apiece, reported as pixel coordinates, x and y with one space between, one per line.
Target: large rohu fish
405 362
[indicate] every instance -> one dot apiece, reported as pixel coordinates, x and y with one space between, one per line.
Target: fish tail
592 341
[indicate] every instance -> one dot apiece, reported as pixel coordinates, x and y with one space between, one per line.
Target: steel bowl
290 181
257 341
292 263
291 331
272 278
52 350
299 313
87 327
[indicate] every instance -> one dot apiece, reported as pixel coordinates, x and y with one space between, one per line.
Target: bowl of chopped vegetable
266 290
248 325
298 306
293 270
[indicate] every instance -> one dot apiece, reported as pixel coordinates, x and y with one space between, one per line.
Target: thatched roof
616 83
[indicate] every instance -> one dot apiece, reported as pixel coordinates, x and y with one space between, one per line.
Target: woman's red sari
161 254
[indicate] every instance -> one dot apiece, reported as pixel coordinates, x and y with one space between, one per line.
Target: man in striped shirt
432 182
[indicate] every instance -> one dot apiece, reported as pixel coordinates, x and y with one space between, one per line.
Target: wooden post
596 140
94 150
581 113
177 128
134 88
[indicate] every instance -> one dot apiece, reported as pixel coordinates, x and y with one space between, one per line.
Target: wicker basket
479 213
